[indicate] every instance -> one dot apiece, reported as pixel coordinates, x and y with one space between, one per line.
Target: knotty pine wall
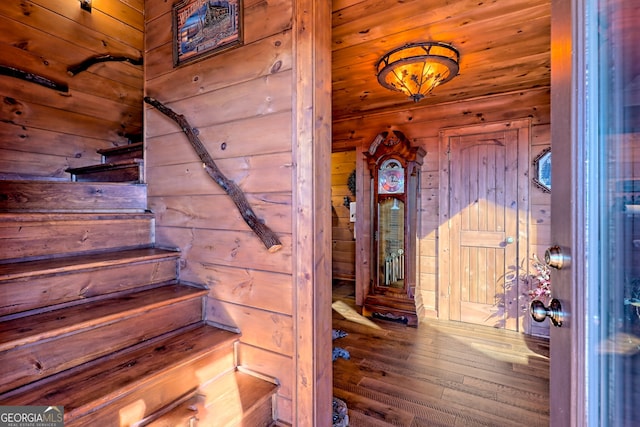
44 131
343 250
422 125
241 103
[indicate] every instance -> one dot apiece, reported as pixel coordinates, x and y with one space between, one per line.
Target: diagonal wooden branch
5 70
265 234
84 65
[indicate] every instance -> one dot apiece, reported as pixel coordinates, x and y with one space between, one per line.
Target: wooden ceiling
504 46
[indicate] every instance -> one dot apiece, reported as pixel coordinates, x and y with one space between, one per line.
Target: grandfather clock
395 179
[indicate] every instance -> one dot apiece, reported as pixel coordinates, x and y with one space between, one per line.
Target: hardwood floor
439 374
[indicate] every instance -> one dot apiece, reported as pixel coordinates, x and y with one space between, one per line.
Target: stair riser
123 152
262 415
117 157
47 290
28 363
233 415
40 196
130 174
156 393
229 403
30 240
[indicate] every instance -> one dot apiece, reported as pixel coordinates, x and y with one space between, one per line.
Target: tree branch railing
84 65
6 70
268 237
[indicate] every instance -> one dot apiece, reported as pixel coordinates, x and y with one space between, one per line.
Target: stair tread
107 378
251 390
240 393
26 330
121 148
105 166
81 262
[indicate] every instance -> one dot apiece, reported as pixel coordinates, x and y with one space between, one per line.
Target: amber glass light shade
417 68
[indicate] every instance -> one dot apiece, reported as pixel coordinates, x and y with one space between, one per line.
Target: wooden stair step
43 283
121 171
43 344
240 399
43 235
39 196
235 399
122 152
134 383
185 411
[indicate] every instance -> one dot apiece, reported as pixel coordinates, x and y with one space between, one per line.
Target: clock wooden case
395 179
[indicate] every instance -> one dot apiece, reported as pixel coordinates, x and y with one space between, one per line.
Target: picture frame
205 27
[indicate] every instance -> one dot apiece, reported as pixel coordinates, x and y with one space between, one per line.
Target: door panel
595 354
482 234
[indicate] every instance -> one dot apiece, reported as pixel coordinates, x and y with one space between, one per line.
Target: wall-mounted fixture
542 170
417 68
85 5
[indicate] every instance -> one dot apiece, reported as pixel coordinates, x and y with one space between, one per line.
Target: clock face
391 181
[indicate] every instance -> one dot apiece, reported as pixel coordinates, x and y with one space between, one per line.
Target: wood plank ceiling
504 46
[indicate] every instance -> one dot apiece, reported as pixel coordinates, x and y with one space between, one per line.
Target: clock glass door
391 249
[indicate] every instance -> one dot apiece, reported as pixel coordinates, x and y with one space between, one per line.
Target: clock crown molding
393 144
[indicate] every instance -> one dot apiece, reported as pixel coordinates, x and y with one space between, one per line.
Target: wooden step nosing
51 256
112 362
106 319
186 397
141 382
26 182
264 377
105 359
48 217
131 387
135 146
75 264
124 164
73 303
74 210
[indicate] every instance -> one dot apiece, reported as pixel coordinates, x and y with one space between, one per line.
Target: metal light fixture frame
86 5
445 54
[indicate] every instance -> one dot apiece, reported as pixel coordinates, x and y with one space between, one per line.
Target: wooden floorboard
439 374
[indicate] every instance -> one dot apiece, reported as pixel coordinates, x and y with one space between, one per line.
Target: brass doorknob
539 312
555 258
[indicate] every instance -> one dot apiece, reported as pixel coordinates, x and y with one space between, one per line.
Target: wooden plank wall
241 103
422 126
343 239
44 131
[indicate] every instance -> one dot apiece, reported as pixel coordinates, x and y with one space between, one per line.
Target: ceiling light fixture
417 68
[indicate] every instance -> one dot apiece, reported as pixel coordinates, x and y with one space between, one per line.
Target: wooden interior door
487 207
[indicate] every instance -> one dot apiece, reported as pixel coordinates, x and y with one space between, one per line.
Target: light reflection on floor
352 315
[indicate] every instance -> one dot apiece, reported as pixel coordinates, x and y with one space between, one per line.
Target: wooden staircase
94 318
119 164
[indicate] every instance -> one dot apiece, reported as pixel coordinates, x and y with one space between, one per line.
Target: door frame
523 127
569 227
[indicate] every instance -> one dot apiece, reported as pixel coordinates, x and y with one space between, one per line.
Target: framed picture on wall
205 27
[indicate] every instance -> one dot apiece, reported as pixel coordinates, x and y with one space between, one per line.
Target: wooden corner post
312 213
